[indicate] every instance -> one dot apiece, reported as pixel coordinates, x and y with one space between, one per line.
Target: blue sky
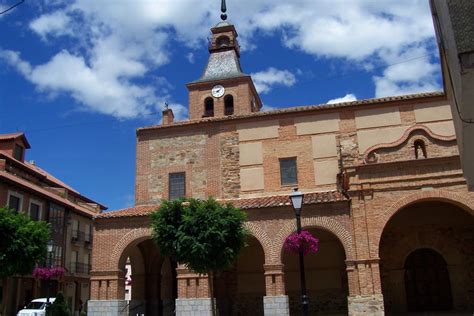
80 76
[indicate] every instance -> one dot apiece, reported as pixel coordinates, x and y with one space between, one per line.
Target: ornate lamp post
50 265
297 201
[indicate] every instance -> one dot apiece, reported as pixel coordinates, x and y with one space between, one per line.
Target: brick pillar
352 278
365 292
275 302
107 294
194 293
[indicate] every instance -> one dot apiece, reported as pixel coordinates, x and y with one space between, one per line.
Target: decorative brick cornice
404 138
299 109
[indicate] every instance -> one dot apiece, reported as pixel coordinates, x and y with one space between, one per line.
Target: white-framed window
35 210
75 229
88 233
15 201
87 262
74 265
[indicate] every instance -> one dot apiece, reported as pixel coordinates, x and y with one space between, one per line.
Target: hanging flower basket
303 241
48 273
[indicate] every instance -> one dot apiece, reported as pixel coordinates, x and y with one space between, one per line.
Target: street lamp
50 265
296 198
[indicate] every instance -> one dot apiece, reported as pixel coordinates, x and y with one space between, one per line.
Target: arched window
228 105
208 107
420 149
222 41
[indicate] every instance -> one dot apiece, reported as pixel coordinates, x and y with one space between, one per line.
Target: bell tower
223 89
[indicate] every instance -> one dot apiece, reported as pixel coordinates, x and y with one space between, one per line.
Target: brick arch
325 223
463 201
137 234
263 239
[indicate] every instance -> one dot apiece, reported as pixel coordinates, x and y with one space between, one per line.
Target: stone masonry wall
229 147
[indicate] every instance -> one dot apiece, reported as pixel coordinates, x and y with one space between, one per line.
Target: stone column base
366 305
276 305
109 307
195 307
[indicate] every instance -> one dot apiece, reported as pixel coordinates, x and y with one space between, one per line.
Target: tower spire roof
223 10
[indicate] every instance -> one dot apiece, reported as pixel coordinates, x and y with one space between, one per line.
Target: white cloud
413 76
347 98
190 58
54 24
180 111
116 44
265 80
96 89
267 108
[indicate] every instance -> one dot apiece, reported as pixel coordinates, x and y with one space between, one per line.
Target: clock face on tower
217 91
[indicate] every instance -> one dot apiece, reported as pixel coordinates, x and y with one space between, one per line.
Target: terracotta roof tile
139 210
245 203
43 192
50 177
284 200
10 135
39 171
297 109
15 135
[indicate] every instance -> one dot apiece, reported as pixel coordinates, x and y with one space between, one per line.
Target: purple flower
48 273
303 241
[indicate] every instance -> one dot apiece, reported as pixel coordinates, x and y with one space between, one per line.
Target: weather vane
166 105
223 10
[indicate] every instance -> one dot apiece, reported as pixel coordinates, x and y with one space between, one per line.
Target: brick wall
209 153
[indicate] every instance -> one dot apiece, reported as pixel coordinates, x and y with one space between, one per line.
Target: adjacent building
384 193
454 26
27 188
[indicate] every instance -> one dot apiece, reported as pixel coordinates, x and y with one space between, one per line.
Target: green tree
59 307
22 242
204 235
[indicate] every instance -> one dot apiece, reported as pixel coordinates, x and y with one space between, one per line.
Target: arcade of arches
425 264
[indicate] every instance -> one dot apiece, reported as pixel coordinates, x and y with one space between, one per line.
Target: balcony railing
79 267
80 236
88 238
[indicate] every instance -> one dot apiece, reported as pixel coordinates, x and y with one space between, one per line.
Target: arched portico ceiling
262 237
325 223
137 235
463 201
134 236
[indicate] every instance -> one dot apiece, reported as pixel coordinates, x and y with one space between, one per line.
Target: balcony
79 267
77 235
80 236
88 238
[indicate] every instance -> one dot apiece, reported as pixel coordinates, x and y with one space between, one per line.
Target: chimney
168 116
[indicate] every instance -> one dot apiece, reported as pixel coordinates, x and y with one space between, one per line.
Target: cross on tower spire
223 10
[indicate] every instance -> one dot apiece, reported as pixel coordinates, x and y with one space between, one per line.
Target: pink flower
303 241
48 273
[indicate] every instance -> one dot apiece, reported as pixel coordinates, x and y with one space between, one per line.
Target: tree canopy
22 242
59 307
204 235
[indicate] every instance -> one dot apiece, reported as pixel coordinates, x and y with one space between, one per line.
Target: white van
37 307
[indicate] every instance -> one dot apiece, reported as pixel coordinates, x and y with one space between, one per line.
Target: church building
383 192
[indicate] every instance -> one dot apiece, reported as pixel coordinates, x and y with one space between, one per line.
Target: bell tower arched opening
229 105
208 107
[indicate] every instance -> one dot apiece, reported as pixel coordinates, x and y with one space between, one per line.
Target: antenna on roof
223 10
